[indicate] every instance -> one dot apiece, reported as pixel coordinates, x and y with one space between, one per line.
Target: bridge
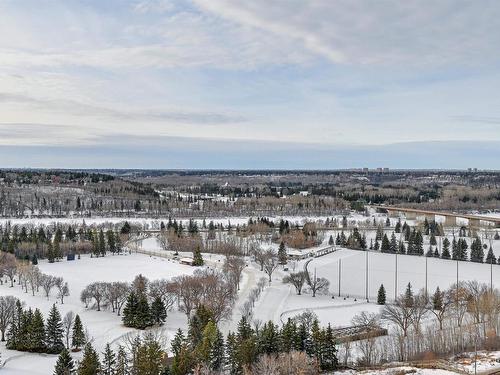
450 218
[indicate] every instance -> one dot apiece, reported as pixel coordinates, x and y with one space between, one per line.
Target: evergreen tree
455 252
282 253
121 362
111 241
330 240
129 317
184 362
64 364
381 295
108 361
50 253
437 300
337 240
436 253
408 296
329 360
476 251
446 249
158 311
37 330
216 356
54 332
177 342
402 248
102 243
432 240
204 349
24 340
14 332
462 249
78 336
143 313
393 247
267 339
385 244
197 324
397 228
149 356
126 229
197 257
419 243
490 258
89 365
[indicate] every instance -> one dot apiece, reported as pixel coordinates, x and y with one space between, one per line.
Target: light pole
396 278
366 277
426 292
340 273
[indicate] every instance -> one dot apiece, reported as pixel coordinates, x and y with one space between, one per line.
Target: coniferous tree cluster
29 332
415 243
459 249
142 356
356 240
46 242
476 251
205 346
144 309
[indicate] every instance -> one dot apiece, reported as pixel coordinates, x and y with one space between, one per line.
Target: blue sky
315 84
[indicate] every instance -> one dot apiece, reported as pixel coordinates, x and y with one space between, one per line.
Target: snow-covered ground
400 371
382 270
103 326
483 362
278 301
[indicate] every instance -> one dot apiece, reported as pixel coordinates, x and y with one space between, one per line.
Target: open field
103 326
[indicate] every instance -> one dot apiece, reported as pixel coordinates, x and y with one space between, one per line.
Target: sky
292 84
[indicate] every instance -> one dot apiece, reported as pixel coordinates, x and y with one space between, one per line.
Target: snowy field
278 301
103 326
382 267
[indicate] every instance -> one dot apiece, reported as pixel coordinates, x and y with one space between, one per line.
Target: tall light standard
366 277
340 273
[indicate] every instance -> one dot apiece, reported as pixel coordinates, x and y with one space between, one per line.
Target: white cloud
320 71
381 32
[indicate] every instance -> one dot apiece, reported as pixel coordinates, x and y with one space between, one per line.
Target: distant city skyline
249 84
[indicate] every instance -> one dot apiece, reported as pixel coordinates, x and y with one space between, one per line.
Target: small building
187 261
297 254
70 257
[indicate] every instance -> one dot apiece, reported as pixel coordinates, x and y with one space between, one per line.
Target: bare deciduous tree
317 284
234 266
8 266
271 263
7 310
67 325
95 291
297 279
62 289
164 290
47 282
285 364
